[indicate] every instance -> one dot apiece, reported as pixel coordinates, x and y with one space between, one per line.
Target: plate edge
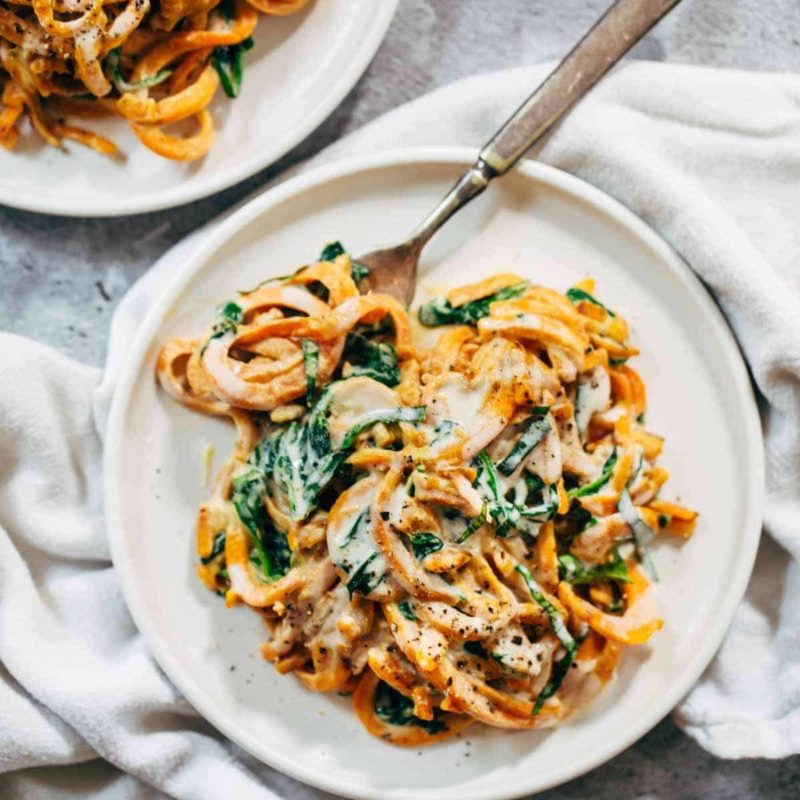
446 155
173 199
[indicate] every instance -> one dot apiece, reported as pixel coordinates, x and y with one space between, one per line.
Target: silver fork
394 269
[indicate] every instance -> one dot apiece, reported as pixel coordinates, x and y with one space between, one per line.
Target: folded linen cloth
711 159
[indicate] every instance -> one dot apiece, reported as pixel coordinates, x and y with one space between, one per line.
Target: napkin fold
710 159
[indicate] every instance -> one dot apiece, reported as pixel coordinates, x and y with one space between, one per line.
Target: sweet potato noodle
453 534
153 63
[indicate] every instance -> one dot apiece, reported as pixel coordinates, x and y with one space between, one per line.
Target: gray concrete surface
60 279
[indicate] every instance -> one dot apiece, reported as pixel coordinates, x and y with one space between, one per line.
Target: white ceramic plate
545 225
300 69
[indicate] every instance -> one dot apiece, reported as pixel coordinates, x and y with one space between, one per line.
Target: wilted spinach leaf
473 525
364 579
302 460
406 610
598 483
531 437
423 544
441 312
568 642
376 360
505 515
310 351
217 548
249 494
576 295
574 571
112 64
227 61
332 250
396 709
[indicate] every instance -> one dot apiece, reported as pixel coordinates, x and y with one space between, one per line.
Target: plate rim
580 190
176 196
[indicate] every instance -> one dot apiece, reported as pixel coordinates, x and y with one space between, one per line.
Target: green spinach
406 610
305 463
365 570
333 250
217 548
598 483
423 544
440 311
576 295
302 460
568 642
477 649
364 580
507 516
402 414
227 318
356 532
310 351
397 709
533 485
557 675
359 271
376 360
249 494
574 571
531 437
227 61
112 64
474 524
579 518
556 620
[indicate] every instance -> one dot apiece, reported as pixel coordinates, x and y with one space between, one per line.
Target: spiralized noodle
154 64
452 534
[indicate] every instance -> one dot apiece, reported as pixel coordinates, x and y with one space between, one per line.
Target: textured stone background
61 278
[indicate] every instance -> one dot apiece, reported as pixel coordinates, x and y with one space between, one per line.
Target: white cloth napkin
710 159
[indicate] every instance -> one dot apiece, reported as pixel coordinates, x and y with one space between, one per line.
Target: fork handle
621 27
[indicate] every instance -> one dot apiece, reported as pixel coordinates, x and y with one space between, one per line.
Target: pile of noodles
155 64
452 534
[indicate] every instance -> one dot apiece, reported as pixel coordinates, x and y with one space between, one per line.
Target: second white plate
547 226
300 69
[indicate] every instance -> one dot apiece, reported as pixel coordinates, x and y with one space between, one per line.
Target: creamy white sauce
395 505
461 403
640 467
353 401
592 395
567 369
531 321
454 412
545 459
451 528
350 540
127 20
215 360
514 650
